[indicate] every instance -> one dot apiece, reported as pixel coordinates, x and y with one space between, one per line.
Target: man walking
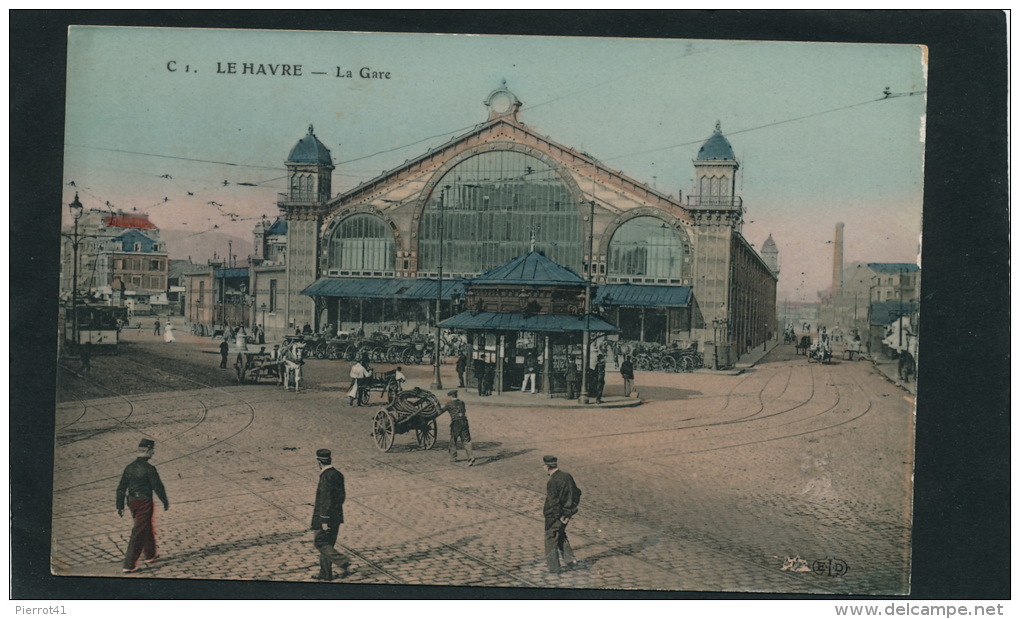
156 330
224 349
459 429
328 516
137 484
561 498
627 372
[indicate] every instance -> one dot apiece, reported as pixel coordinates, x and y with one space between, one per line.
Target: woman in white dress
168 333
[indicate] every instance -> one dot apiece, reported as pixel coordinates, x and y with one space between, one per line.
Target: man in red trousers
137 484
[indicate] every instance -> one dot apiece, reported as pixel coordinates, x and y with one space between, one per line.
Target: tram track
616 549
373 568
247 492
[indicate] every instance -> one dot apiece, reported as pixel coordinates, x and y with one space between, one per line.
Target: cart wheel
685 364
391 392
668 364
383 431
426 434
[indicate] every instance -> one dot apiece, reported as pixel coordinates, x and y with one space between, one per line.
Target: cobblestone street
789 477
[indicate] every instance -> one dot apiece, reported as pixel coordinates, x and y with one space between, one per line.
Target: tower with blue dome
309 185
715 170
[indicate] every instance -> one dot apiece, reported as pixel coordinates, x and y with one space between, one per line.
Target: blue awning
886 312
383 288
495 321
231 273
426 289
638 295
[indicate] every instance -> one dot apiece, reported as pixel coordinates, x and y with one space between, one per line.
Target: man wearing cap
328 516
137 484
561 498
459 429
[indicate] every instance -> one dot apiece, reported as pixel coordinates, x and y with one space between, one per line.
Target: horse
290 360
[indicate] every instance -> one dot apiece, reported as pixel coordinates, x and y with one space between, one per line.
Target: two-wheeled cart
415 411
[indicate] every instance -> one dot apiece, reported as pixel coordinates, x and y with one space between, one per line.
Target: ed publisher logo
830 567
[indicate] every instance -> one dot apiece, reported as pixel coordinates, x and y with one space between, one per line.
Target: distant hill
182 244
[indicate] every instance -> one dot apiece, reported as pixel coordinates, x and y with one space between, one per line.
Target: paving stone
711 485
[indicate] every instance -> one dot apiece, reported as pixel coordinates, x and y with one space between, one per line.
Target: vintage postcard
490 311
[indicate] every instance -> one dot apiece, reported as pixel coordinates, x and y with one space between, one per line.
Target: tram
99 325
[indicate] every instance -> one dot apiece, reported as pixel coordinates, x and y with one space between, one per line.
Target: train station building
658 268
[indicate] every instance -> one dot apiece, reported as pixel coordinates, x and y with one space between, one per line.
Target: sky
156 123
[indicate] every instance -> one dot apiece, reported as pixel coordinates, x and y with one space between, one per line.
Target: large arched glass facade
646 250
362 245
490 205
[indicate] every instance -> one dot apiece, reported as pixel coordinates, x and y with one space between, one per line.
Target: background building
121 261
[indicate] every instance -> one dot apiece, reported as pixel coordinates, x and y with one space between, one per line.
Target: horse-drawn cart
387 384
415 411
804 344
255 366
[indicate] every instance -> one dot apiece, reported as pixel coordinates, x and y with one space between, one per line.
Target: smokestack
837 259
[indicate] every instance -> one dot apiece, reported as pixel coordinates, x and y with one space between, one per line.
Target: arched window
362 244
646 250
490 205
714 190
301 187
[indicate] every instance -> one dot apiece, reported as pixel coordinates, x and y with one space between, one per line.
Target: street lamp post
586 338
437 381
76 211
262 325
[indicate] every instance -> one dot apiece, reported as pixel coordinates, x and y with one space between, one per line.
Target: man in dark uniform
573 386
137 484
627 372
490 377
86 359
600 378
459 429
561 498
461 368
224 350
328 516
479 368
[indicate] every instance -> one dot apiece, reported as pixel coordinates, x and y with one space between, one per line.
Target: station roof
639 295
495 321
